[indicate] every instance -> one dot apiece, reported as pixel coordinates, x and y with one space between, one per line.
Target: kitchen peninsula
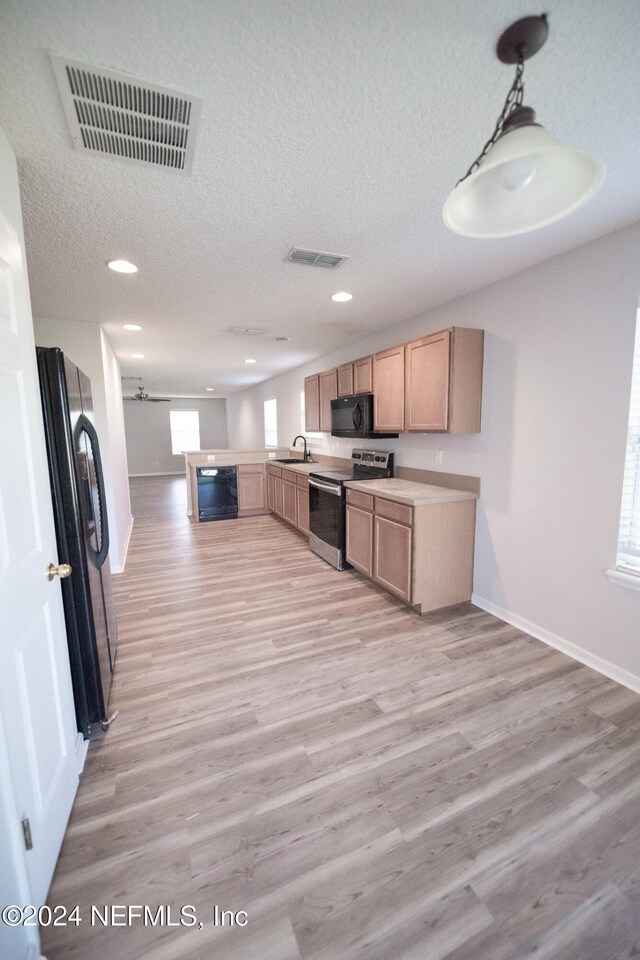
251 466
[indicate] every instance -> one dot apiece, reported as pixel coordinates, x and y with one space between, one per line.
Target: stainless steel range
327 496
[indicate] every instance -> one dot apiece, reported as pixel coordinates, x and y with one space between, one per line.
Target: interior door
38 762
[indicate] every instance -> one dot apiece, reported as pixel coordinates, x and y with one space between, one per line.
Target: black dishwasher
217 493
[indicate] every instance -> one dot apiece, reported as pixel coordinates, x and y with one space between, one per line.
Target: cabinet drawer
289 475
399 512
358 499
274 471
248 468
302 480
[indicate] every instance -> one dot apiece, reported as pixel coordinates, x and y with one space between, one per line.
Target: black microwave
353 417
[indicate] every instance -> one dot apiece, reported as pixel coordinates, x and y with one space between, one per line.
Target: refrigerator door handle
84 424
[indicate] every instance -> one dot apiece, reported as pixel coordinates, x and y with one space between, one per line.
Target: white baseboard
82 747
119 567
608 669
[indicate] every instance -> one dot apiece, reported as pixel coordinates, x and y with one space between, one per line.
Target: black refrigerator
82 534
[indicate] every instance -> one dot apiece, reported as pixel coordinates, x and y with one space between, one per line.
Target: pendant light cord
512 102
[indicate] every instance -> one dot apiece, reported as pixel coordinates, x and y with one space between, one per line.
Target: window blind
629 541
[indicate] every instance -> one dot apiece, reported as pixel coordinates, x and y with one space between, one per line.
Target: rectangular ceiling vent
315 258
116 115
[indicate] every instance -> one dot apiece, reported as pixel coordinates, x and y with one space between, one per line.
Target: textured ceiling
338 126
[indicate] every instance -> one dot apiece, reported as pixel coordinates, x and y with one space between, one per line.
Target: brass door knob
62 570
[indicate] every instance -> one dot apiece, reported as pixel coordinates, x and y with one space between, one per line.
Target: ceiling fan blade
158 400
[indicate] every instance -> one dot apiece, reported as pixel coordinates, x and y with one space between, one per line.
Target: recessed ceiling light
138 356
131 326
209 389
122 266
280 339
342 296
250 361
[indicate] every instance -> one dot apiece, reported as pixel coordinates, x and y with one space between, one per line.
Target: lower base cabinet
251 489
302 498
421 554
288 496
274 489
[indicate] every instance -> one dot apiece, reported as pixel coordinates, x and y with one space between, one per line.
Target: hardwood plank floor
365 783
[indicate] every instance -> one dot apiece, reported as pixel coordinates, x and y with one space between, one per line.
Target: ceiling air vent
120 116
315 258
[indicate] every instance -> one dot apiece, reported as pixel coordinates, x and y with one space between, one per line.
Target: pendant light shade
529 180
524 178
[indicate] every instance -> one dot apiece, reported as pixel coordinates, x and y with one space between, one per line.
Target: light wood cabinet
289 497
422 554
274 489
443 381
328 391
359 521
392 566
302 497
363 375
433 384
345 380
427 382
388 390
251 489
312 403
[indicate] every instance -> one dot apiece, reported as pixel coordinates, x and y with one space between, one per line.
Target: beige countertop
406 491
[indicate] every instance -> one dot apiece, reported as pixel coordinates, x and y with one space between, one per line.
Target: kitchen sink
292 460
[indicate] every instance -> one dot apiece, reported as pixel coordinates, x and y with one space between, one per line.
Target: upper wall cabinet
319 390
328 392
356 377
345 380
363 375
443 381
312 403
388 390
430 384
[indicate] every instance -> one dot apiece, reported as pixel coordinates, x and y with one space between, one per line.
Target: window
185 430
629 542
271 423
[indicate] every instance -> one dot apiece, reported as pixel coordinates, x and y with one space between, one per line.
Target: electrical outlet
438 456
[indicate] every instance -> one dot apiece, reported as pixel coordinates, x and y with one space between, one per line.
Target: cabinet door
289 501
277 495
392 556
345 380
312 403
360 539
328 392
363 375
427 382
388 390
302 496
251 491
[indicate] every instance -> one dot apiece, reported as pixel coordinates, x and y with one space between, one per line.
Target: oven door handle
327 487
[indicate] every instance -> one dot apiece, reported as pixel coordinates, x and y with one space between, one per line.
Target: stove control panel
373 458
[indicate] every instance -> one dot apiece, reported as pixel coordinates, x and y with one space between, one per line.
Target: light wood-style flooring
366 784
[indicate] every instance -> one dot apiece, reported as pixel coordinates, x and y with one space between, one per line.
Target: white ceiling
339 126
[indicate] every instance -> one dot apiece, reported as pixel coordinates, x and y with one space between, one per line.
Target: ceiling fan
145 398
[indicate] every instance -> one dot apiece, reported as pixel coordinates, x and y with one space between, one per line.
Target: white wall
558 353
86 345
148 433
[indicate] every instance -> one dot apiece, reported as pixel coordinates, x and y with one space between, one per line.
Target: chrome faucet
307 453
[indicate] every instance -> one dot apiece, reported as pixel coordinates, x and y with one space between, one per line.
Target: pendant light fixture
524 178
